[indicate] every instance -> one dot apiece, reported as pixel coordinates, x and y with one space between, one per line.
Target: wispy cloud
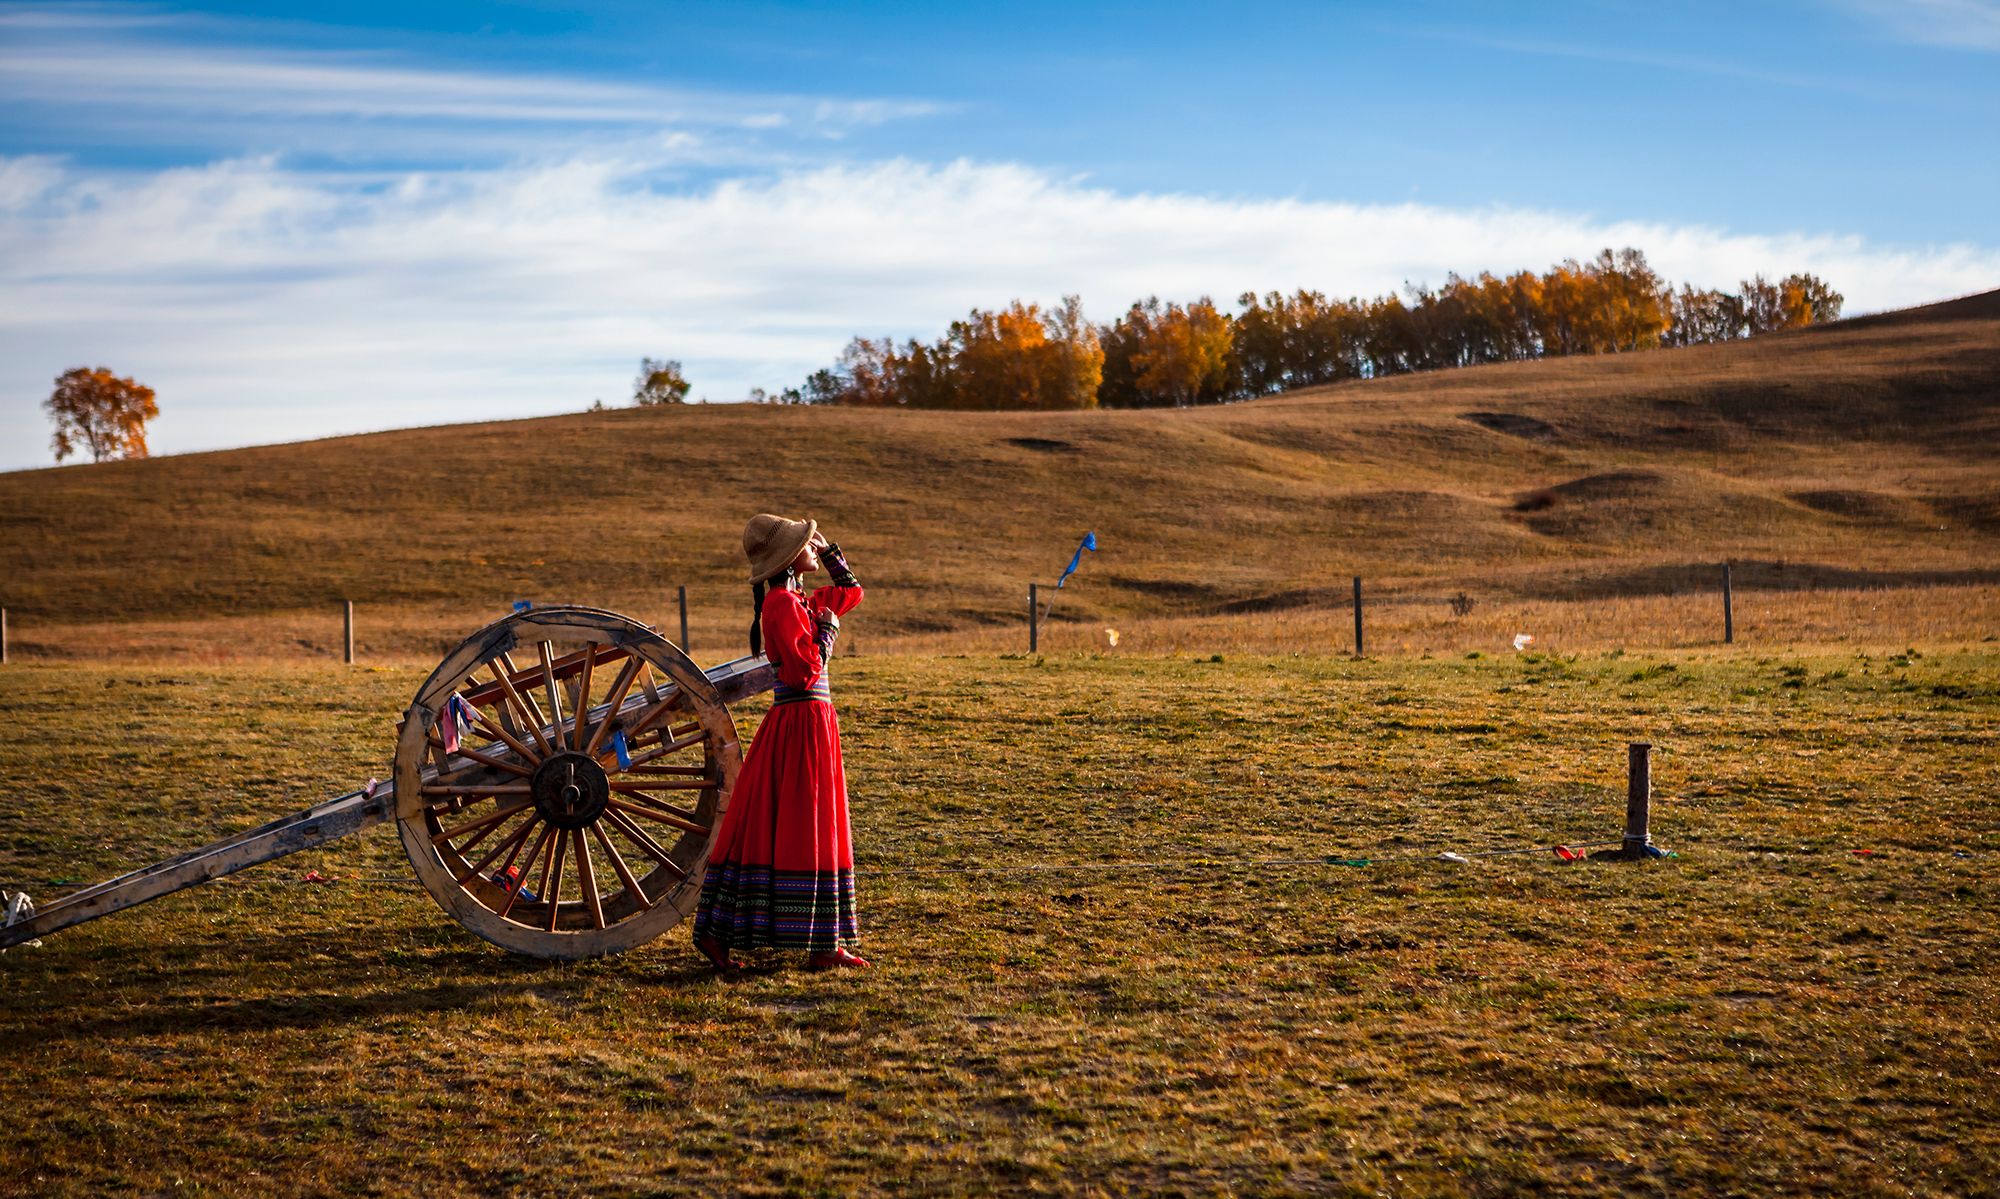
1955 24
1624 55
269 304
109 69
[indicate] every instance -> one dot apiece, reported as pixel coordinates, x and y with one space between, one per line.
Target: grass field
1123 941
1086 981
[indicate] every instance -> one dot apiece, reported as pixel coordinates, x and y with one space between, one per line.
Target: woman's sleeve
788 641
841 596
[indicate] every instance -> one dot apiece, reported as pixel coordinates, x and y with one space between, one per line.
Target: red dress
781 872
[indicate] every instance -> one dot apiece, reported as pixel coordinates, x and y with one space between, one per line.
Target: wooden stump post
684 618
1358 650
1034 618
1638 799
1728 609
347 610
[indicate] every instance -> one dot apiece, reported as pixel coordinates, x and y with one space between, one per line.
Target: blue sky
298 222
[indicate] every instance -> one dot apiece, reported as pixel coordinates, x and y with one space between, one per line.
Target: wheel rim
535 833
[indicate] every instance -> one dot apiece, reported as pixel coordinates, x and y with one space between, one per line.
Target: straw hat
772 542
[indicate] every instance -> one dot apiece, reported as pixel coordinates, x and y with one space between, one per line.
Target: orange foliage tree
1018 357
1167 355
98 411
1173 354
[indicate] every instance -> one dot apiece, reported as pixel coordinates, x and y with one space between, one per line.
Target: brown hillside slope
1863 451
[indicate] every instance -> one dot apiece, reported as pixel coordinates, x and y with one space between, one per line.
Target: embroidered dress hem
755 907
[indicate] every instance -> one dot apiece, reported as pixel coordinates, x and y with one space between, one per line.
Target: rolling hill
1856 454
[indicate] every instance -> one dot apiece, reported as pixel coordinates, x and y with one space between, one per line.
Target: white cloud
268 304
150 78
1954 24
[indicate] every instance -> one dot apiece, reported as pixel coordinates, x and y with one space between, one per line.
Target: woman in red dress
781 872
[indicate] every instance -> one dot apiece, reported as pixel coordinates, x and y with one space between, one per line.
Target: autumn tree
1703 315
98 411
1022 357
1634 304
1807 300
660 383
1294 341
1167 355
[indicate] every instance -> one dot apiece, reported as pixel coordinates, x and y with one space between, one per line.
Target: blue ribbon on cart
457 721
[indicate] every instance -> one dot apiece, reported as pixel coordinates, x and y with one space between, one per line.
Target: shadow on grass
135 990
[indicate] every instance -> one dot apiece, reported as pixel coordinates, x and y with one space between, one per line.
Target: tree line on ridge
1175 354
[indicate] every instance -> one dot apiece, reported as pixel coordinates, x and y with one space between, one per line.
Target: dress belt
821 691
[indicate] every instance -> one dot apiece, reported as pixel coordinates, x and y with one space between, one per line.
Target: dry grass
1862 446
1768 1012
1403 617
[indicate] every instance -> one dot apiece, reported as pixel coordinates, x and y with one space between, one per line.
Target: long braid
757 617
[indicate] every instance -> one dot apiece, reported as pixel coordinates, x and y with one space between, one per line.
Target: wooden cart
558 780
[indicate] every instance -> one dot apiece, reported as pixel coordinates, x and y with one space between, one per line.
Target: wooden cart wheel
538 833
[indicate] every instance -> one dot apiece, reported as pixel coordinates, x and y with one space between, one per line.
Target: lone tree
98 411
660 383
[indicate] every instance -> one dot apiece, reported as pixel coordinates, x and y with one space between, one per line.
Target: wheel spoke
527 868
643 840
642 786
670 747
533 823
467 752
534 709
618 865
665 704
486 822
549 684
499 733
660 805
651 813
586 877
555 888
512 841
583 693
618 690
533 719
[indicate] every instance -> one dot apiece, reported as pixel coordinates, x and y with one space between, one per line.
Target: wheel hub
570 790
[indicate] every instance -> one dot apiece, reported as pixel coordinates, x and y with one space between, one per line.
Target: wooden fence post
1358 651
684 618
1728 609
1034 618
1638 799
3 636
347 611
